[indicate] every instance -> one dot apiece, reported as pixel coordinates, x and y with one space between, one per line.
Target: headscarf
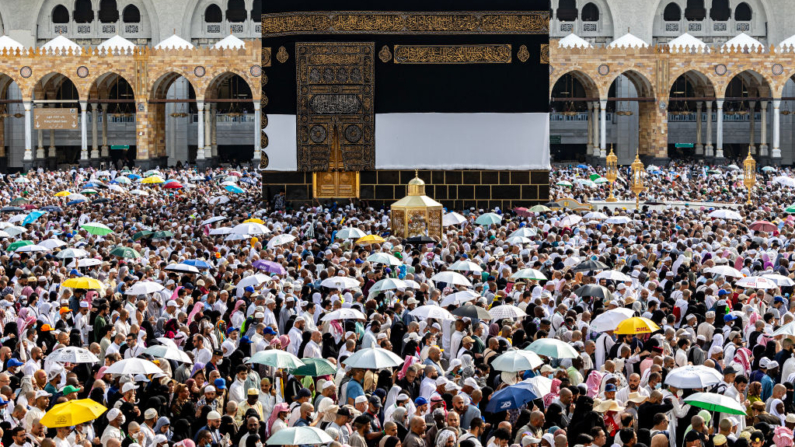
198 307
238 305
441 438
279 408
162 422
553 394
782 437
774 411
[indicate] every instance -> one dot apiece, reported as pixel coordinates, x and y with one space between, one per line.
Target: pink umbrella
763 225
173 185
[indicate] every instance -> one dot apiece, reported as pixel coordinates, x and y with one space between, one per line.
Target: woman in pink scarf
285 340
198 307
553 394
279 408
593 382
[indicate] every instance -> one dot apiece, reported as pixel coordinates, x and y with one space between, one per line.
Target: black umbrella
595 291
471 311
419 240
590 266
102 200
52 209
552 205
11 209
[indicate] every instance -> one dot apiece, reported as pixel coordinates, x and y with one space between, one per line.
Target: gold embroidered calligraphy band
453 54
525 22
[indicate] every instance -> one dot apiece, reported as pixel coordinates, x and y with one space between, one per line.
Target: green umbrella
314 368
564 183
716 402
17 244
601 181
96 228
277 359
125 252
19 201
488 219
594 177
162 234
142 235
553 348
790 209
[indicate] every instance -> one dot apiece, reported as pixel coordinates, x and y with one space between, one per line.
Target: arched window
695 11
236 11
672 13
720 11
743 13
108 11
213 14
256 11
590 13
83 12
567 10
60 14
131 14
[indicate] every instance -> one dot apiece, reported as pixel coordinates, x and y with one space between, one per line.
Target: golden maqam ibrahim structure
417 214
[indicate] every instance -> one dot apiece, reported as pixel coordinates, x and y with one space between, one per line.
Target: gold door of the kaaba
336 182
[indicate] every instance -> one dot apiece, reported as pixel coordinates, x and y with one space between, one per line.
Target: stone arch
588 83
101 84
149 24
643 86
53 80
672 12
762 83
220 76
703 84
158 89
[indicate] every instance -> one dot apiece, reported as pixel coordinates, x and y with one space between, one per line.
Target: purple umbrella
270 267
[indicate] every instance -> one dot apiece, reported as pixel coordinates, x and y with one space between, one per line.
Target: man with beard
633 386
409 382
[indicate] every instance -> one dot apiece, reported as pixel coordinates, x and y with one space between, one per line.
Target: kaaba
357 96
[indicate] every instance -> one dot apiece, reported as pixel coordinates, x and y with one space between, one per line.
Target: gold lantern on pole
612 172
417 214
638 172
749 174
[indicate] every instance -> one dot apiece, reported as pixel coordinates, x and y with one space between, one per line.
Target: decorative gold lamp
638 170
612 172
749 174
417 214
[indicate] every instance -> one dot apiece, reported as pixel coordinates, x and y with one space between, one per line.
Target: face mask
220 361
679 393
123 420
658 386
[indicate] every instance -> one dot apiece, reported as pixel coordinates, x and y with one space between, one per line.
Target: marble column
200 119
104 110
763 142
596 129
83 132
699 146
208 149
776 153
214 130
52 153
719 151
709 148
752 114
589 146
603 119
27 159
40 147
94 142
258 134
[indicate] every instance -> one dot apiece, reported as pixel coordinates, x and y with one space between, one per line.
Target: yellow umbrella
636 325
370 239
63 194
83 283
255 220
73 412
152 180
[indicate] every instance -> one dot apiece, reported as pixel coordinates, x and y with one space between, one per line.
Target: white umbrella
53 243
73 197
725 214
524 232
608 321
518 240
784 181
253 281
553 348
388 284
89 262
17 218
350 233
459 298
513 361
14 230
542 385
724 270
168 352
144 288
411 284
450 219
344 314
299 436
756 282
167 342
614 275
213 220
373 358
570 220
596 215
384 258
221 231
139 192
251 229
781 280
618 220
431 311
787 329
219 200
506 311
465 266
280 239
72 253
72 354
115 188
691 376
31 249
4 234
531 274
133 366
451 278
340 282
182 268
276 358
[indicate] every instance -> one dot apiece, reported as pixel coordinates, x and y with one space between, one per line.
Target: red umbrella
521 211
173 185
763 225
29 207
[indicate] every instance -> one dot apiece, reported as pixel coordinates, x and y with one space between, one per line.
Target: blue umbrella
198 263
52 209
248 180
582 166
92 185
233 188
75 202
508 398
134 176
32 217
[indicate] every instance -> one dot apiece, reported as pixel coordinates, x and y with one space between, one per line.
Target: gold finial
416 173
